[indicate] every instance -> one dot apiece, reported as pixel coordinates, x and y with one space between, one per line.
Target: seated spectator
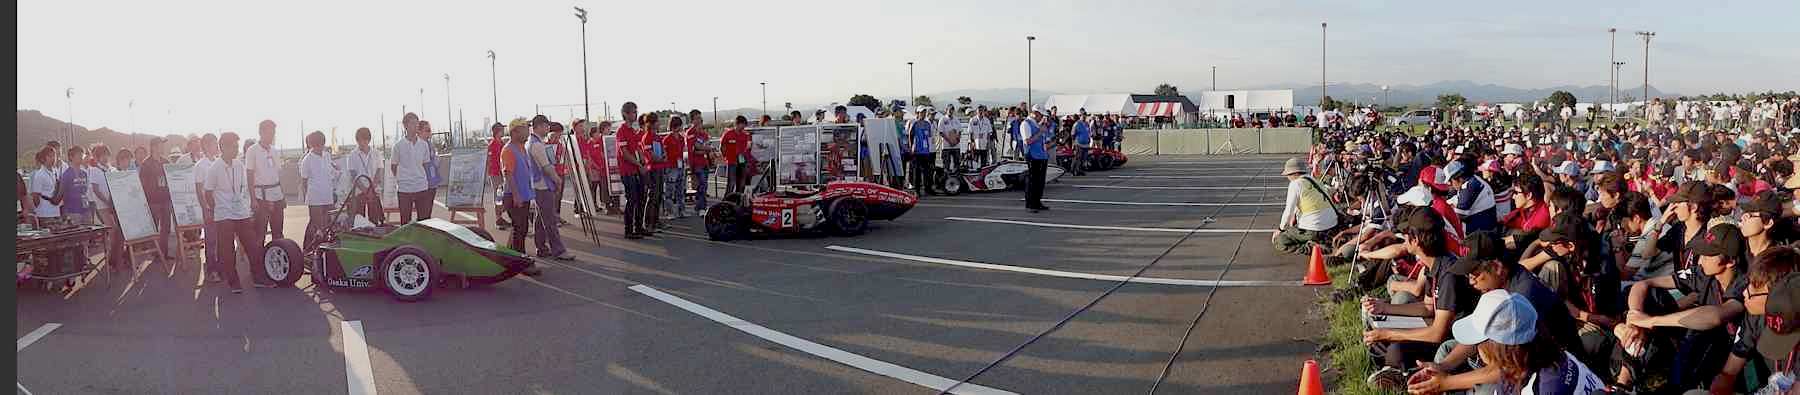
1677 343
1530 214
1450 296
1474 200
1309 215
1506 329
1638 226
1764 340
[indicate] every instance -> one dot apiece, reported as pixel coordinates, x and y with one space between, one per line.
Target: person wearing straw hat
1307 215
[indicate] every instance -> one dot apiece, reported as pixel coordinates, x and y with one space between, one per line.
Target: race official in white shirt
317 175
228 192
267 199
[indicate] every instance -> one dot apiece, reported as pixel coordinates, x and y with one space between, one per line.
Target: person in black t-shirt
1486 270
1765 336
1707 296
1450 295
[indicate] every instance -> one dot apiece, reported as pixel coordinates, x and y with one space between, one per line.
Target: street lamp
69 100
715 120
494 78
1614 111
1612 77
765 98
1322 94
914 100
1384 95
421 103
1215 78
449 123
1028 40
585 111
1646 97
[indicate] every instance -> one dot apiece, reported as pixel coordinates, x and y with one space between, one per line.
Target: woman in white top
981 129
46 210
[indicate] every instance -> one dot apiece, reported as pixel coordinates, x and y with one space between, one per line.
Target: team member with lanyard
674 168
736 145
228 193
544 184
1037 160
950 130
919 133
653 178
631 161
266 197
209 149
699 159
981 133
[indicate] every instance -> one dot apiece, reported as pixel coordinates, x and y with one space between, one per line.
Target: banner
798 150
186 200
468 177
135 220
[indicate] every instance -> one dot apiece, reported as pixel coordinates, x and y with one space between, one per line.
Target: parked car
1414 117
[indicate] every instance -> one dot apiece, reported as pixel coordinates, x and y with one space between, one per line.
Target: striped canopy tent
1159 109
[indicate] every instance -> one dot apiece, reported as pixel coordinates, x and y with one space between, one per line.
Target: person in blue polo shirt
919 131
1083 137
1036 160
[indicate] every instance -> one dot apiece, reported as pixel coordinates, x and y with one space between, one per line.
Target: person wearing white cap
1307 214
1503 328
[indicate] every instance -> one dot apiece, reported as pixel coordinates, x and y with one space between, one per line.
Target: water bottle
1779 383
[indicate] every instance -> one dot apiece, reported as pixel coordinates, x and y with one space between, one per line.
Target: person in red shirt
699 160
1530 213
654 155
631 162
493 173
593 157
736 146
675 175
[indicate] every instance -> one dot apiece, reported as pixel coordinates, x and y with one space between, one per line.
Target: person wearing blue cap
1504 328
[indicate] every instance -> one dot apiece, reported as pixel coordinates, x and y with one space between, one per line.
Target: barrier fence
1217 141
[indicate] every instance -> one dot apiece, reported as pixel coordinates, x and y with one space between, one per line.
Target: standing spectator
919 133
72 186
1308 213
408 168
493 171
593 156
981 135
1083 138
428 197
101 194
317 175
1037 160
544 186
519 175
228 192
209 148
630 151
152 174
674 169
950 130
736 145
559 164
268 200
46 208
655 154
361 163
699 159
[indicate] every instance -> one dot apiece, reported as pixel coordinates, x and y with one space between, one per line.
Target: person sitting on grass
1442 297
1508 333
1683 339
1764 337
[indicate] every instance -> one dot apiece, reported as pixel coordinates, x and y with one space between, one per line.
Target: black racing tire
409 273
1106 162
953 185
724 222
849 217
282 262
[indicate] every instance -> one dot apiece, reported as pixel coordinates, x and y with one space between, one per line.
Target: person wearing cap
1770 329
1516 356
1037 160
1450 296
1712 296
493 172
1308 214
1474 200
156 191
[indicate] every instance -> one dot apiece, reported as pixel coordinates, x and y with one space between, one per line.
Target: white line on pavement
36 334
357 370
1097 227
1205 168
903 373
1157 203
1170 188
1066 274
22 389
1221 162
1203 177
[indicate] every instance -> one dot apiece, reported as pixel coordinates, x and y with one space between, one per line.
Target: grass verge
1348 361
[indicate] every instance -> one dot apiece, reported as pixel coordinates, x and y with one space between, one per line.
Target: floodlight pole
1028 40
1322 94
1646 97
585 111
494 78
910 98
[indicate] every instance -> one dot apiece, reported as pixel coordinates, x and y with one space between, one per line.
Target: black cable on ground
1203 306
1121 284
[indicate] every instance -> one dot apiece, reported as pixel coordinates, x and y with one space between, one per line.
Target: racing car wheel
409 273
724 222
849 217
282 262
953 184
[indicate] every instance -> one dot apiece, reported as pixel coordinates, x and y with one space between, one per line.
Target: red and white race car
840 207
1098 158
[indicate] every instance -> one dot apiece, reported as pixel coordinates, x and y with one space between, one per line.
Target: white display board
468 177
884 144
135 220
185 199
798 147
615 185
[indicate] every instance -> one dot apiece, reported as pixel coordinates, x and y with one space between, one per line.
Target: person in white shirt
950 131
46 211
361 163
208 148
228 192
408 168
1307 214
99 193
317 175
549 237
981 135
267 199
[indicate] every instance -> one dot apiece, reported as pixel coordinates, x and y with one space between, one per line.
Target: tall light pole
494 78
1646 97
449 120
910 99
715 120
69 100
1322 66
421 103
1215 78
585 111
1028 40
131 108
1611 76
1384 96
765 97
1614 111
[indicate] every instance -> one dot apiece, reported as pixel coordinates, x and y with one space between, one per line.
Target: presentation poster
128 200
615 185
468 177
798 151
183 194
884 142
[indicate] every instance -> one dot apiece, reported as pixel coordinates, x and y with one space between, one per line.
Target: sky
205 66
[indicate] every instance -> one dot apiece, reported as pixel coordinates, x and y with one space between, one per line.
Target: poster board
615 185
884 143
467 178
840 151
135 220
797 148
186 200
762 151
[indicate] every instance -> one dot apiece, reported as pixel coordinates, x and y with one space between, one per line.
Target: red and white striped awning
1163 109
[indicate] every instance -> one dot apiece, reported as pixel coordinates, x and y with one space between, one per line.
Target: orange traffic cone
1309 379
1315 271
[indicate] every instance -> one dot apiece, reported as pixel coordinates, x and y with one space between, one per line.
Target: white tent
1108 103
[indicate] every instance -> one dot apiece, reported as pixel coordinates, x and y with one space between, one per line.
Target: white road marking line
22 389
1206 168
1221 162
909 375
1204 177
1157 203
1097 227
36 334
1170 188
357 370
1066 274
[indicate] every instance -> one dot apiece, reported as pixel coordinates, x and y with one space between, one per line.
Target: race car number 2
787 218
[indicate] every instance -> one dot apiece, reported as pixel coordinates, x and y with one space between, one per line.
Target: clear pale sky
204 66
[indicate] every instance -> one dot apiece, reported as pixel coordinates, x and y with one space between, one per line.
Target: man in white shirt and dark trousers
950 130
1308 213
268 201
549 235
981 135
361 163
408 167
228 192
317 175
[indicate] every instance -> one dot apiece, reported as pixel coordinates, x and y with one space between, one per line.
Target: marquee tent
1109 103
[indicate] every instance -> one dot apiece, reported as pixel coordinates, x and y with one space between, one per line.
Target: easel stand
142 247
189 241
480 214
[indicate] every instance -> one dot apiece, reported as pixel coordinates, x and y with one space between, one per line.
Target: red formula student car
839 207
1098 158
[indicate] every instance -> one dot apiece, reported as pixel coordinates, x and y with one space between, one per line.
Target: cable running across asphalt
1203 306
1207 220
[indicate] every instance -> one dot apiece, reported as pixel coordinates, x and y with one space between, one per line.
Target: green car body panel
353 260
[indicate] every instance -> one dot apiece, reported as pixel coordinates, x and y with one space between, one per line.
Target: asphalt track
680 314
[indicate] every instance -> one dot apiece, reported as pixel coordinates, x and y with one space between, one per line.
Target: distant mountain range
35 129
1475 92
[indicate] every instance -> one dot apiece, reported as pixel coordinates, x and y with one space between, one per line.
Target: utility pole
1614 112
69 100
494 78
1028 40
715 117
1646 35
765 98
1612 76
913 100
585 111
449 124
1322 94
1215 78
